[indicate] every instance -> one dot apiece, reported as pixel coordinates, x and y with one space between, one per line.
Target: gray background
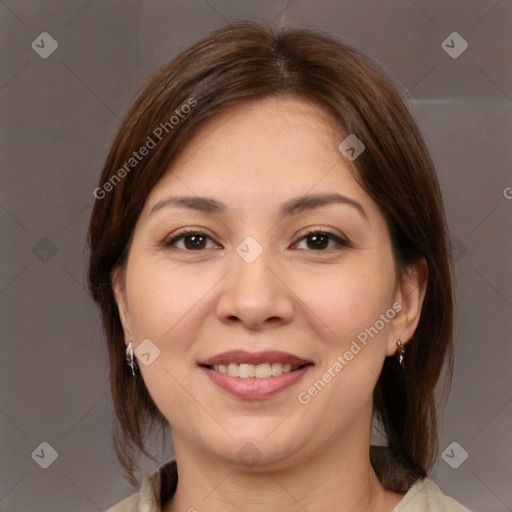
59 116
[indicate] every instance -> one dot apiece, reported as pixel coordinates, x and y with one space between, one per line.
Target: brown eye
319 240
192 241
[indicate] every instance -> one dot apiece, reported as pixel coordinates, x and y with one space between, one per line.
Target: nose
255 294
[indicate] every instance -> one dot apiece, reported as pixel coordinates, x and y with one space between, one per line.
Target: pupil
318 241
195 241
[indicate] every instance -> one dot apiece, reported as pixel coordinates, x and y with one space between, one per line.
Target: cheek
348 305
160 299
346 302
163 307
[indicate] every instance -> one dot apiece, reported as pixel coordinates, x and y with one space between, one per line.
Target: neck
340 477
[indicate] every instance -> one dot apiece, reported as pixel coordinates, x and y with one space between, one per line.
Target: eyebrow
291 207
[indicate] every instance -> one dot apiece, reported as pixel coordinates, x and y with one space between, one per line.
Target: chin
258 451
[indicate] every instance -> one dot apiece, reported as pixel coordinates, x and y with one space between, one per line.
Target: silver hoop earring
401 354
131 361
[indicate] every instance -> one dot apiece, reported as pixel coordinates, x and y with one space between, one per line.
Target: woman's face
262 271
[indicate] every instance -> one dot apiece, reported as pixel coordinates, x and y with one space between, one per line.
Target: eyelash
169 243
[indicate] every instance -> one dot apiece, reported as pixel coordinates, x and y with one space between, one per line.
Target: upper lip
244 357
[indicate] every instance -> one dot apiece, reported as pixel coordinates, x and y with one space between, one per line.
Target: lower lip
254 389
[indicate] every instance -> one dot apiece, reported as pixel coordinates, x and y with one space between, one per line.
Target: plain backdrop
58 118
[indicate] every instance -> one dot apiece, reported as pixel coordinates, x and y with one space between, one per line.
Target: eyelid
169 241
340 239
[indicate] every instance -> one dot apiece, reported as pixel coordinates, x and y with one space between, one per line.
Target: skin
193 303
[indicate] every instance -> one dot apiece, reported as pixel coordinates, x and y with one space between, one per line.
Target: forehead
259 152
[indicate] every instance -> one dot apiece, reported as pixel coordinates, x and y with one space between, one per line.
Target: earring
400 353
130 360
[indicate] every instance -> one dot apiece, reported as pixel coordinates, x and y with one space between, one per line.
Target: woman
270 256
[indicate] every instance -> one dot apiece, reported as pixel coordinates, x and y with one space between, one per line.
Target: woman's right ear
119 290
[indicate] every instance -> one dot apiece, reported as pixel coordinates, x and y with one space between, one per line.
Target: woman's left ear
409 295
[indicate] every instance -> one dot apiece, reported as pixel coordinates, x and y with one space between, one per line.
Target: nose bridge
252 268
250 250
253 293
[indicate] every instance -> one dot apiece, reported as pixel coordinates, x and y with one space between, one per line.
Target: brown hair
245 62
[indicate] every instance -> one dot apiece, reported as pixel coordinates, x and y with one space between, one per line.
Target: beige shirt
423 496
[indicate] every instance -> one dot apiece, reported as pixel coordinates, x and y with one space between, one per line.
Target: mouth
255 375
250 371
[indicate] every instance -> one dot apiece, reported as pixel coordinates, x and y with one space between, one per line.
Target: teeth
276 369
259 371
232 370
246 371
263 371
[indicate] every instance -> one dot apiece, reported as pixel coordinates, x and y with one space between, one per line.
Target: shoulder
161 484
425 496
130 504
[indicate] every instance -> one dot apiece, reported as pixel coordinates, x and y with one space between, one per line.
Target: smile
255 375
260 371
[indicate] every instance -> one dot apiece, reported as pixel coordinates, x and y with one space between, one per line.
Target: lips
255 358
265 386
